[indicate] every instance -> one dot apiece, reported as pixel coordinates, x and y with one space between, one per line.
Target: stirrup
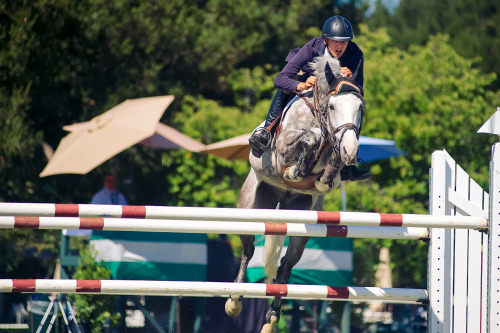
259 141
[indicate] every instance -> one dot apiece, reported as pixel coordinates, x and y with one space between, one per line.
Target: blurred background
431 80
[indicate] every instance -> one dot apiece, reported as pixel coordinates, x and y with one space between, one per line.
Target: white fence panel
493 320
456 280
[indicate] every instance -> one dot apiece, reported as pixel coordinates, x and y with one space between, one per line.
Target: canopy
370 149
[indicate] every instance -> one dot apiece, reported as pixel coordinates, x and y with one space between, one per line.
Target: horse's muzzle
349 148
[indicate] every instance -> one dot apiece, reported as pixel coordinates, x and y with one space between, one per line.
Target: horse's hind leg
233 304
296 246
245 200
252 195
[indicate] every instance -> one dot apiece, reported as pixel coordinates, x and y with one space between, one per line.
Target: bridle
328 133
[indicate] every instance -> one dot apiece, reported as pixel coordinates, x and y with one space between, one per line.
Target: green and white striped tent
183 257
152 256
325 261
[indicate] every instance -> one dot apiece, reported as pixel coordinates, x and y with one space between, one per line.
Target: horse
317 137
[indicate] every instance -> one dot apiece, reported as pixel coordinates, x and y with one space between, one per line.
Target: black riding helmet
337 28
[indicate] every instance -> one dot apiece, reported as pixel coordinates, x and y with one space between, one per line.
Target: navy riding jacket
299 58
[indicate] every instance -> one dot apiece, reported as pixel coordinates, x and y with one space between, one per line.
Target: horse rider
335 41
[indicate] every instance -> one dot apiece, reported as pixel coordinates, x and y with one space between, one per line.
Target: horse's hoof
325 185
233 307
270 326
322 186
290 174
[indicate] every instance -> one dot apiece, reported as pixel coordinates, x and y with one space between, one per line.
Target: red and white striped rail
202 289
211 227
243 215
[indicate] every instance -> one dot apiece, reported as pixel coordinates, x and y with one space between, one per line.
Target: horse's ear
329 73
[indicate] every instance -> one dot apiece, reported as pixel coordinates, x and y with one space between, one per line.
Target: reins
327 132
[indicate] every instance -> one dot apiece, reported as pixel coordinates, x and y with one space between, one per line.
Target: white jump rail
242 215
225 289
221 227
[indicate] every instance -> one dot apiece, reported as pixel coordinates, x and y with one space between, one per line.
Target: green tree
67 62
63 62
473 27
93 309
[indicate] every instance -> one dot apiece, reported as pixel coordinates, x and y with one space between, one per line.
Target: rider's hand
311 81
346 71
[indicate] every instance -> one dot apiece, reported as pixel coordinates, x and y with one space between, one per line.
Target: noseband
332 132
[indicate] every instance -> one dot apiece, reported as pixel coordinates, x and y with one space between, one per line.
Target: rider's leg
261 137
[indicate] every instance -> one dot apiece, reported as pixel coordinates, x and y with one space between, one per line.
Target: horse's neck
298 110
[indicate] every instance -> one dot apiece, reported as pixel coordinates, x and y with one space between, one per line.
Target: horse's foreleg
309 143
330 178
233 304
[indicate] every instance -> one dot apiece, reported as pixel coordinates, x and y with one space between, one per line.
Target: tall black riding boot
261 137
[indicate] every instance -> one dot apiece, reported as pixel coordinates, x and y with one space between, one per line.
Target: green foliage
63 62
93 309
206 180
426 99
16 244
251 85
472 27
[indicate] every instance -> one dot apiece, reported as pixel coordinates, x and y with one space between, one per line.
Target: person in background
109 195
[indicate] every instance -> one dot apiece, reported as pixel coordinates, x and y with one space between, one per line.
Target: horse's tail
272 253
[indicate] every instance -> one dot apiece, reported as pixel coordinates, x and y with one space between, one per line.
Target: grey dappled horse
319 135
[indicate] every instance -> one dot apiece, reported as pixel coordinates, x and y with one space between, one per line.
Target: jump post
463 290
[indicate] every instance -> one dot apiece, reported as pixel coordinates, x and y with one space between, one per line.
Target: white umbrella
132 122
